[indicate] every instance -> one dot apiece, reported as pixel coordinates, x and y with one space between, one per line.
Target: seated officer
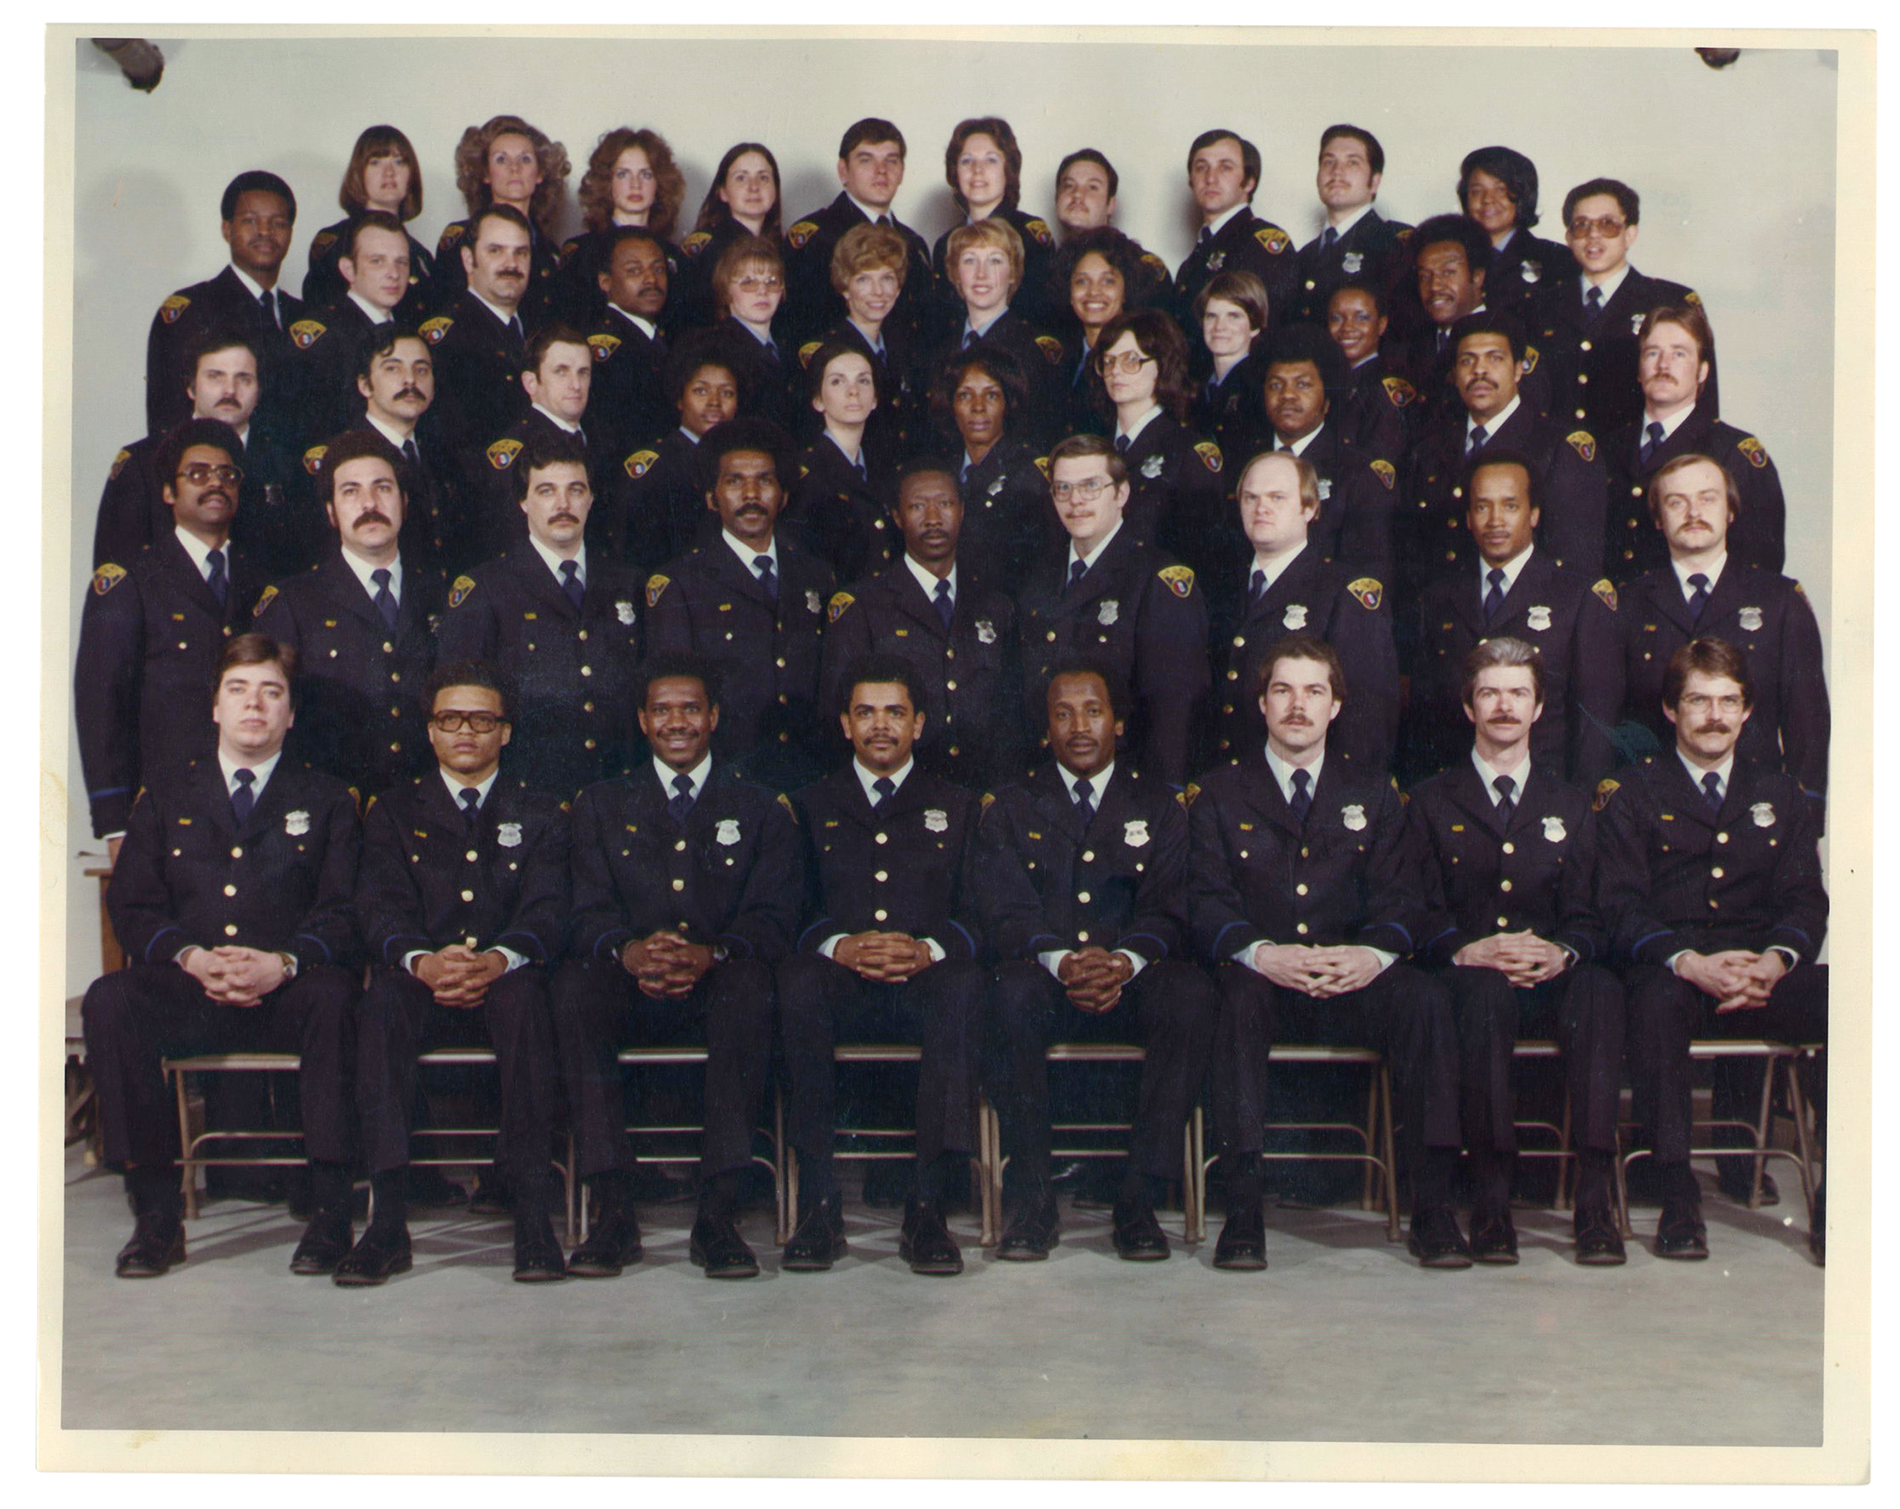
328 343
1289 845
360 625
628 407
889 954
655 499
1710 880
957 634
231 899
686 894
1511 859
1084 870
462 900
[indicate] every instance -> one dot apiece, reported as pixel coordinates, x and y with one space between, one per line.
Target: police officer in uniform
1084 871
1223 171
361 625
383 177
687 892
1710 879
1511 863
463 902
981 401
985 268
1379 409
479 341
870 269
327 344
628 406
562 621
656 498
1124 602
507 164
557 374
231 899
983 166
841 503
1357 241
1497 186
396 380
1305 890
889 953
954 631
1450 257
753 603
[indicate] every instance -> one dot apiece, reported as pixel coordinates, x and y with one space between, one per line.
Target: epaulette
1180 579
1605 789
636 465
1209 453
460 589
306 333
1369 590
107 577
1584 443
656 584
1604 590
501 455
264 600
172 308
834 610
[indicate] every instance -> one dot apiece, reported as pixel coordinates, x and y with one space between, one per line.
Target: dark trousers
1667 1013
822 1003
1402 1014
399 1019
1582 1009
137 1016
599 1007
1169 1009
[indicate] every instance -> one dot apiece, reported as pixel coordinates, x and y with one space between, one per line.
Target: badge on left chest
1151 468
1108 612
1554 830
1537 617
1135 833
297 823
508 835
936 820
1295 616
1763 813
812 604
624 611
1354 817
728 831
1750 619
985 631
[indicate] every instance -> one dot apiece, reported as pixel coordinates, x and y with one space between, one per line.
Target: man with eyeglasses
361 624
1588 323
462 899
152 629
257 214
1129 605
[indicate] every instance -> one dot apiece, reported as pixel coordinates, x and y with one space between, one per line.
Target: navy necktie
1085 797
1711 791
768 578
1443 336
681 802
945 606
571 584
1476 439
1302 802
1505 786
471 801
411 454
268 302
215 579
1653 438
1592 303
885 788
1257 586
1122 442
1077 570
1698 599
514 327
243 799
969 339
1207 235
1327 238
1494 599
385 600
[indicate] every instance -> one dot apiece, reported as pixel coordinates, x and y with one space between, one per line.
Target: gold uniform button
1582 346
1088 856
183 646
1504 922
1240 641
679 885
1716 872
949 654
587 743
471 856
395 678
880 914
1721 838
468 895
1300 889
781 662
395 710
231 890
1301 929
881 838
587 670
396 747
949 686
470 940
237 853
679 844
583 636
1504 885
1712 905
883 875
1233 675
1083 897
230 929
1228 708
587 707
954 751
1052 638
1081 937
1580 413
388 648
1510 848
1583 379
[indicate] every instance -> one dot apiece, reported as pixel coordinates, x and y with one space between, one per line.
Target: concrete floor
1343 1338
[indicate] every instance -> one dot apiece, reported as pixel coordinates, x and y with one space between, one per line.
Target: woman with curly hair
1497 187
507 161
1100 272
631 179
984 169
383 175
979 400
743 201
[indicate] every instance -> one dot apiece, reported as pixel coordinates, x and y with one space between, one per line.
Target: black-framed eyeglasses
452 720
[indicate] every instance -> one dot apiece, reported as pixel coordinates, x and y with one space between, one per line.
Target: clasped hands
889 958
665 966
1523 958
234 976
1094 978
1319 972
1738 978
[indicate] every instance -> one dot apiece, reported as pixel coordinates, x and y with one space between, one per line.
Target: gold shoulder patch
1042 465
1691 297
460 589
1186 797
107 577
656 584
1051 348
1584 443
176 305
433 330
696 243
1749 446
1399 391
1180 579
265 599
786 802
986 801
1272 238
1605 789
839 602
807 351
1369 590
1797 589
1039 229
118 465
636 465
306 333
603 346
1210 453
1530 360
313 458
501 455
1151 260
451 233
322 242
1386 472
801 232
1604 590
568 248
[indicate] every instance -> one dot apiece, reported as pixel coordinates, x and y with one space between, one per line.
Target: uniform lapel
346 594
908 596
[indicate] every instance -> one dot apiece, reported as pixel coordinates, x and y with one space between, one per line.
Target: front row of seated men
1290 897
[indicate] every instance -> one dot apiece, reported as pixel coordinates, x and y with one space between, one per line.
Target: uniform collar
1299 447
1351 220
1274 570
361 569
1488 775
1496 422
1609 285
198 550
1670 422
255 288
928 579
868 780
555 419
1684 571
747 555
645 325
260 769
1510 568
506 317
1096 554
456 786
698 775
1283 772
554 561
1098 783
1696 772
1215 226
395 439
1140 424
370 312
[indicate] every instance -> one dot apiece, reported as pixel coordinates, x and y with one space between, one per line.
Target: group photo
1182 684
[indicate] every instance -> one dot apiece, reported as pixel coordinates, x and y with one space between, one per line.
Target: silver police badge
728 830
1295 616
1135 833
1109 611
1151 468
1763 813
297 823
936 820
508 835
1325 489
1554 830
1352 262
1751 619
1636 324
812 603
985 631
1538 617
1353 816
1530 272
1216 262
995 489
624 611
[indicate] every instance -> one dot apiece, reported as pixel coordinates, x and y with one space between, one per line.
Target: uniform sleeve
124 525
1576 497
1010 905
598 928
1579 924
1217 917
106 696
1805 715
138 900
389 911
961 936
846 639
1171 676
1397 918
537 928
326 933
1596 689
1800 896
1368 724
764 925
669 615
165 401
468 626
1623 884
1758 536
1158 929
1371 502
1442 936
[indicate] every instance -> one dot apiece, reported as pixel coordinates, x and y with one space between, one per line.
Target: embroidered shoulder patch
1209 453
603 346
807 351
1604 590
1042 465
800 233
568 248
696 243
459 591
1180 579
501 455
322 242
306 333
636 465
433 330
107 577
265 599
176 305
1399 391
1530 360
1606 788
1039 229
1051 348
451 233
1272 238
313 458
1369 590
1387 473
1752 448
118 465
839 602
656 585
1690 296
1584 443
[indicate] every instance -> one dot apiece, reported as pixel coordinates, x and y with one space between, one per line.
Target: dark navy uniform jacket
1358 497
1035 301
1177 493
842 516
731 876
1229 412
1138 610
574 672
1372 249
1246 243
1038 355
1769 619
1670 876
325 347
1591 365
359 682
427 882
699 257
771 382
655 505
324 281
1009 522
1523 268
626 406
1051 881
150 636
450 278
190 873
478 391
500 523
1483 877
578 300
276 526
1757 533
220 303
812 302
1379 412
899 425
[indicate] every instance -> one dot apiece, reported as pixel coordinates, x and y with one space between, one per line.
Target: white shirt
1494 423
513 960
396 438
1684 570
1696 772
868 779
1609 284
1051 959
1215 226
200 552
363 568
698 775
1095 554
1510 568
747 554
1298 447
260 769
556 420
928 579
868 212
1488 774
1670 422
554 561
508 317
1275 568
647 327
1342 226
375 315
1140 425
257 291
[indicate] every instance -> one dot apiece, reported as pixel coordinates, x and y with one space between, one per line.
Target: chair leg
187 1168
781 1158
1567 1163
1372 1142
1798 1104
1194 1181
1621 1163
1389 1152
985 1159
1766 1110
567 1187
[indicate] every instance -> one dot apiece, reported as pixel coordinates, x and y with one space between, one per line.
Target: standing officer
1498 188
1305 889
396 379
257 214
360 625
1223 172
1379 408
1084 870
1128 604
686 894
1086 185
1703 594
628 400
327 344
463 900
151 632
1450 256
889 954
557 374
1711 884
231 899
956 633
752 603
562 622
1511 863
1358 241
479 340
1675 354
1517 590
655 496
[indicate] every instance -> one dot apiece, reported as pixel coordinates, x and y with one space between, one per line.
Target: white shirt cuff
830 945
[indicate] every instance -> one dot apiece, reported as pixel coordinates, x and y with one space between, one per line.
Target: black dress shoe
927 1244
818 1241
1494 1239
492 1195
717 1247
158 1243
610 1246
1242 1247
537 1253
325 1243
1138 1235
381 1251
1031 1232
1680 1233
1735 1175
1435 1239
1599 1243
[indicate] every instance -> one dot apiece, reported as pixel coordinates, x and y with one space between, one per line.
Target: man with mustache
361 624
328 343
1511 859
395 378
628 404
557 374
1710 881
479 341
1358 242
